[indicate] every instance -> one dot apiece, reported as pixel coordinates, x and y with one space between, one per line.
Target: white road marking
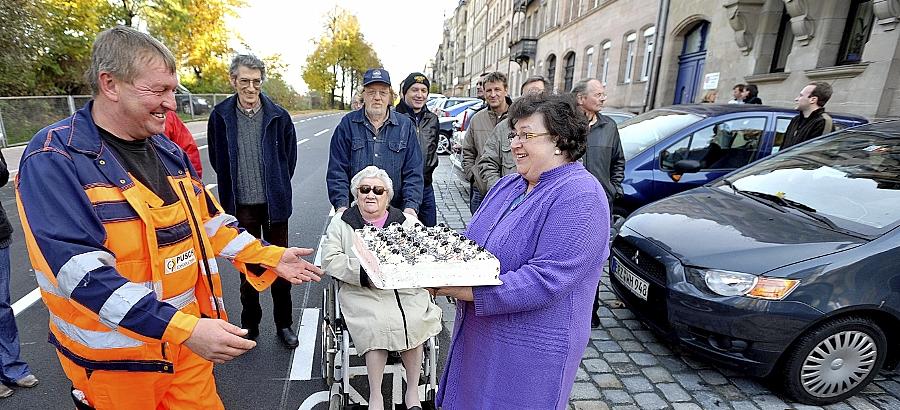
321 132
202 147
211 186
302 141
314 399
26 301
295 122
318 259
301 365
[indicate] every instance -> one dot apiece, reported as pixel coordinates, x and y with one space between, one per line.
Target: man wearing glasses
253 149
376 135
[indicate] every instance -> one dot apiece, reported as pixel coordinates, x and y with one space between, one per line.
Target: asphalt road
260 379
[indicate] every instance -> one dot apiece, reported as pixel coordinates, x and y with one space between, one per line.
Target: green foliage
341 57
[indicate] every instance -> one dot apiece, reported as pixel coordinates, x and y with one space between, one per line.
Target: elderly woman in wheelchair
379 320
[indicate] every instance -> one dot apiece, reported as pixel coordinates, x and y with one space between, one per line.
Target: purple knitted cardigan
519 344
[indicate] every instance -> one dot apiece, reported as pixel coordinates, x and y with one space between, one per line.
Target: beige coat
480 127
376 318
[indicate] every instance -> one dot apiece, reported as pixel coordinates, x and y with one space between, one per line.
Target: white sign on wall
711 81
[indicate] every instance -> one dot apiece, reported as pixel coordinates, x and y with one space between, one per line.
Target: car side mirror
686 166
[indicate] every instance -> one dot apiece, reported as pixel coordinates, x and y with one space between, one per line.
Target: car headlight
729 283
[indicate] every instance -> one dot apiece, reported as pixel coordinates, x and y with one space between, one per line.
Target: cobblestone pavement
626 366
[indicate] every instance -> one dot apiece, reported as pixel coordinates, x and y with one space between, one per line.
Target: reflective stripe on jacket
122 274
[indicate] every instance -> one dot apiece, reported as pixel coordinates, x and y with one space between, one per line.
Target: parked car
189 103
618 116
442 103
445 134
787 267
454 110
460 125
673 149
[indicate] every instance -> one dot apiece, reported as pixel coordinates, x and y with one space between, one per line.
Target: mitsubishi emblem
635 257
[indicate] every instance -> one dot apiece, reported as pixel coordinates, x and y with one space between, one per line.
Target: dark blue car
787 267
673 149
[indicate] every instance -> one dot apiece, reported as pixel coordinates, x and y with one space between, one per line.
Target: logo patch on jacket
179 262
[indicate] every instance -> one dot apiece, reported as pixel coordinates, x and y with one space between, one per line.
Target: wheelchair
341 362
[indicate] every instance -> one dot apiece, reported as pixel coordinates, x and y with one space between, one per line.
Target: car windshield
850 178
645 130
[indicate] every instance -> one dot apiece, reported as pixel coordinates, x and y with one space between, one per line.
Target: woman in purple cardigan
518 345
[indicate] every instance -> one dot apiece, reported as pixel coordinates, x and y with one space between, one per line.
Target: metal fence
22 117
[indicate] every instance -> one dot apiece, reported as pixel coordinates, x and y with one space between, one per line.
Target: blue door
690 64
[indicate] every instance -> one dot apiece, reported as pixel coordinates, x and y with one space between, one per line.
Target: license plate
631 281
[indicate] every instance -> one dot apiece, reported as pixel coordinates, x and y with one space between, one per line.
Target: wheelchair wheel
329 340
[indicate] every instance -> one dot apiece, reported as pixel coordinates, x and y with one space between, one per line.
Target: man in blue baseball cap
379 136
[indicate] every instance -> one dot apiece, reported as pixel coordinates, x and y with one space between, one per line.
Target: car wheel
443 146
834 361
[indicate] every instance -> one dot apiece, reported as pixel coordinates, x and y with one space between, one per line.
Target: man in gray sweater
253 149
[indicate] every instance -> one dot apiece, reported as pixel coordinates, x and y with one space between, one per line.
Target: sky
404 33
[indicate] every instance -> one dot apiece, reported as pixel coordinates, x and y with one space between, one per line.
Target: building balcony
522 4
523 50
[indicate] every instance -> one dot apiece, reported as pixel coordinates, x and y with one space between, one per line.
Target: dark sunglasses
365 189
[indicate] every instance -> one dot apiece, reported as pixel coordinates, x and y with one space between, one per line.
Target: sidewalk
625 366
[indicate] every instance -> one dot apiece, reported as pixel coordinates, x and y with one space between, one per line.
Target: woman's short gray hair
247 60
371 171
123 52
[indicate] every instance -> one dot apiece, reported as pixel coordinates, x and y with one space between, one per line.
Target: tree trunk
331 101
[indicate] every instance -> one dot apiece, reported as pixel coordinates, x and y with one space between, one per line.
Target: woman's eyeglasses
525 136
378 190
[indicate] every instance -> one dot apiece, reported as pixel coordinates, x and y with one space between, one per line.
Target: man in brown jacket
496 156
480 127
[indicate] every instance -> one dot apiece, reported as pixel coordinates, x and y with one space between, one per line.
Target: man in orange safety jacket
123 238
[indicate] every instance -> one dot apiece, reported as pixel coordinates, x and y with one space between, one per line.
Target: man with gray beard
376 135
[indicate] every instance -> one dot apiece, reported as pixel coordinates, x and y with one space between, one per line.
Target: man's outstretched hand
218 341
294 269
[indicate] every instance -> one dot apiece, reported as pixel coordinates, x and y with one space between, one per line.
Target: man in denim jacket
376 135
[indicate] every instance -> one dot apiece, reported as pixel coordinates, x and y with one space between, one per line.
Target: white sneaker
27 381
5 391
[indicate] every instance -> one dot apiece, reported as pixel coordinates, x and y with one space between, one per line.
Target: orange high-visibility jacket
115 267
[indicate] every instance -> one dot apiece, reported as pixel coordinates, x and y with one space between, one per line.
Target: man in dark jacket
376 135
253 149
413 95
812 120
604 157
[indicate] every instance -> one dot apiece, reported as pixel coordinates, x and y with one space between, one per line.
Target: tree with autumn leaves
336 66
45 45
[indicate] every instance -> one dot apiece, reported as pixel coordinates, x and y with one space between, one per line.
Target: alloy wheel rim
443 144
838 364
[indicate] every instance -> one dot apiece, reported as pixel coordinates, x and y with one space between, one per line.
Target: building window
783 43
589 62
629 57
551 70
546 15
856 32
605 59
649 35
569 77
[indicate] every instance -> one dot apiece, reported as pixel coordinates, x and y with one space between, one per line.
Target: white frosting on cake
396 257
